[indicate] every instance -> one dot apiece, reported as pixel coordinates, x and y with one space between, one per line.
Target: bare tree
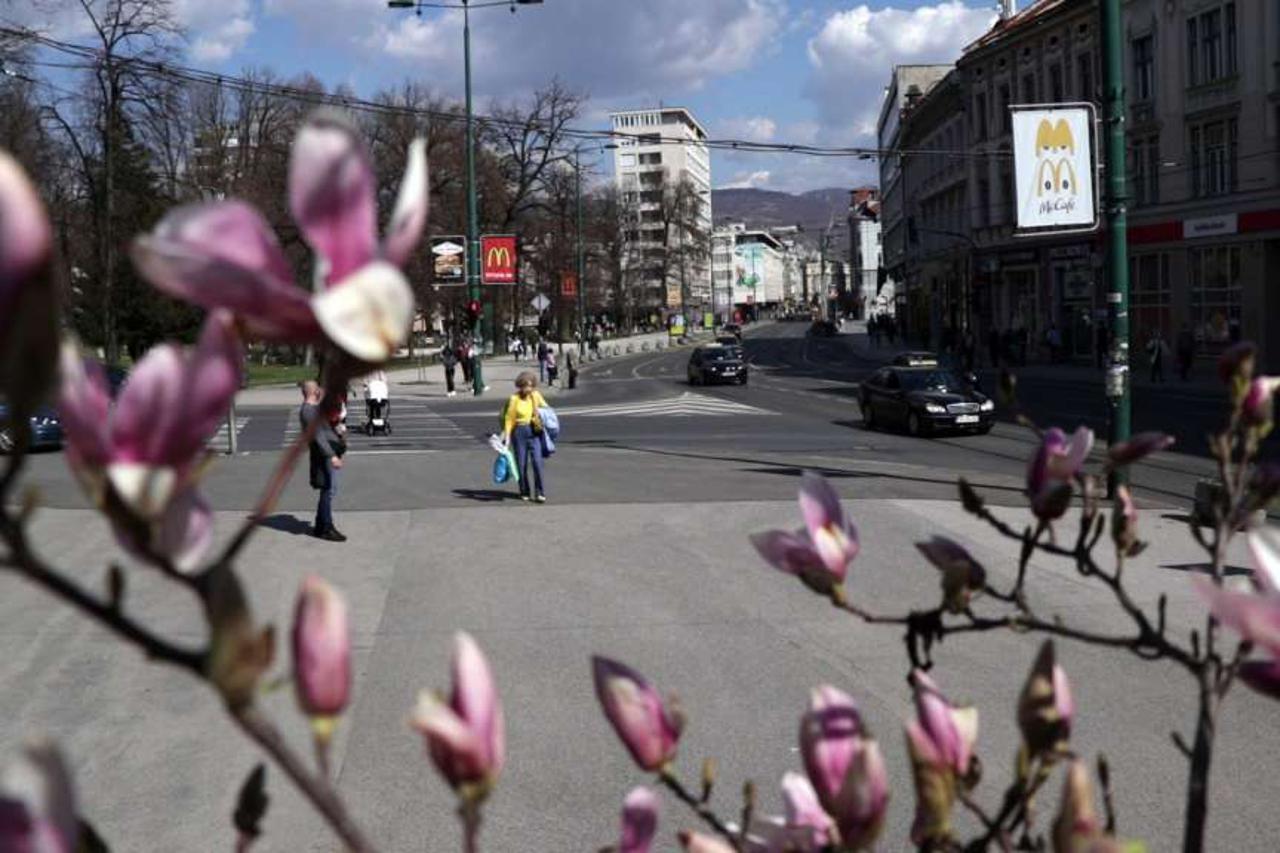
530 142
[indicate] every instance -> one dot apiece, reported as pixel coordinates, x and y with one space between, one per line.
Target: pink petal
696 842
458 753
41 783
1052 444
1262 676
410 214
83 405
224 255
922 747
1139 447
331 194
1264 544
937 720
475 698
944 553
26 238
149 412
1255 617
860 810
831 733
637 713
1078 449
789 552
186 530
803 809
321 649
639 821
819 504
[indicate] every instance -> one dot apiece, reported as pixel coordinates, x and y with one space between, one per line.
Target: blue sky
767 70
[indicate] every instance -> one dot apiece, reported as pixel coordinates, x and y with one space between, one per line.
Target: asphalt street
642 554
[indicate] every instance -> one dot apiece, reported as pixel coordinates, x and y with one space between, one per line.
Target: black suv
716 363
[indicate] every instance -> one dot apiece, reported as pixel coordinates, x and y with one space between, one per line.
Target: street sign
498 259
1054 167
448 260
568 284
540 303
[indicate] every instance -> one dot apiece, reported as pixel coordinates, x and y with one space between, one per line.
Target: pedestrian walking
1053 338
571 365
1156 348
464 358
552 367
521 427
1186 351
543 351
326 452
449 358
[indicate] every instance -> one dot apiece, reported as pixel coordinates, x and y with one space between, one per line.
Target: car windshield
724 354
931 380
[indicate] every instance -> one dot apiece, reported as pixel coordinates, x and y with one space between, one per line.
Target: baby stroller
377 403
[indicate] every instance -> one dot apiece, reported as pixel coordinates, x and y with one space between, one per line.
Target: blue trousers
324 507
528 446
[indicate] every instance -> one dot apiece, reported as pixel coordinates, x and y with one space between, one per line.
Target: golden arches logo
498 256
1056 135
1059 177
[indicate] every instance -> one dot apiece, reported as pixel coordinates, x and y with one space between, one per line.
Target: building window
1006 118
1146 170
1029 89
980 116
1055 84
1084 68
1214 277
1214 155
1149 296
1143 68
1212 45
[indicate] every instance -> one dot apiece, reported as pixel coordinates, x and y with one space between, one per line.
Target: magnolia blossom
1258 407
224 254
804 810
935 784
1124 521
962 575
820 553
26 238
1056 463
845 766
38 804
639 821
1139 447
1254 615
466 738
649 727
1045 709
1078 828
696 842
141 457
952 730
321 649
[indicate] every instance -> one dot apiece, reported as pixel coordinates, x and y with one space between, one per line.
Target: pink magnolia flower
1056 463
1139 447
1254 615
962 575
935 784
321 649
38 804
140 459
844 766
649 728
696 842
1046 709
803 809
820 553
639 821
1124 521
1078 827
466 738
952 730
26 238
225 255
1258 407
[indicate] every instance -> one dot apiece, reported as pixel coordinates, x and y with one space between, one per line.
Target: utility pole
1117 385
473 215
582 280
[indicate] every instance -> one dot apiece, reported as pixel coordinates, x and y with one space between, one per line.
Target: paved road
641 554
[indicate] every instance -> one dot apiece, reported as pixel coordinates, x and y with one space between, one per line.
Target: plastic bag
547 444
501 469
550 421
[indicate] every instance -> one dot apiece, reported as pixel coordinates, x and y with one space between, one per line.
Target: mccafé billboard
498 259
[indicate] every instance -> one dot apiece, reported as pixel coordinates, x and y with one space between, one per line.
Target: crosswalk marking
687 404
219 438
413 425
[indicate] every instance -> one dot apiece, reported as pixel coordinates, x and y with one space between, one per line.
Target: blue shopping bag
501 469
550 422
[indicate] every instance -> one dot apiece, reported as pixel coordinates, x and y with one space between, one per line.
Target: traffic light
473 310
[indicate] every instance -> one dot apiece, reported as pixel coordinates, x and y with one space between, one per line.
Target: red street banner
568 284
498 259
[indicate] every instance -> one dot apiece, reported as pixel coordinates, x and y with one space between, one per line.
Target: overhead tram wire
244 85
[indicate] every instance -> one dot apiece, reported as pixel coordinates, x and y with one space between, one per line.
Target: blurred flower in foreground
1254 615
962 575
1057 461
26 238
941 744
639 821
696 842
1139 447
321 652
37 804
820 553
466 738
140 459
1045 709
224 254
845 766
1078 828
649 727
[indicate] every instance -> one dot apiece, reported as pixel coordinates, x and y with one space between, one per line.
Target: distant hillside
769 208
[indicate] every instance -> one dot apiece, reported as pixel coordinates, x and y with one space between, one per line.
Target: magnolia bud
1046 707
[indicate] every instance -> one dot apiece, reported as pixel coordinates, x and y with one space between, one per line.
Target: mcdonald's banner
498 259
1054 167
568 284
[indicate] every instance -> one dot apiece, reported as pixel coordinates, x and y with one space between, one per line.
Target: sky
781 71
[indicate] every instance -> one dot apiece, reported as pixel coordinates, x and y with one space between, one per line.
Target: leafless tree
530 142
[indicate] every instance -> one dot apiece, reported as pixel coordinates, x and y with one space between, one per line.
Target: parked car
45 429
717 363
924 400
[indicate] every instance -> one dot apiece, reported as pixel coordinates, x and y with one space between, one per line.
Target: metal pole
582 277
473 217
1117 234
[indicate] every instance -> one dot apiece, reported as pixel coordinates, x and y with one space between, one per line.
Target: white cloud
853 53
747 180
752 129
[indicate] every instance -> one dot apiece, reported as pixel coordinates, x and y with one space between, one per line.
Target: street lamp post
473 216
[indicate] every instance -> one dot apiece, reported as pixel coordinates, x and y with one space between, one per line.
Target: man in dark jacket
449 358
326 461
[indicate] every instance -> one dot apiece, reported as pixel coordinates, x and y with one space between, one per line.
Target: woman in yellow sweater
520 422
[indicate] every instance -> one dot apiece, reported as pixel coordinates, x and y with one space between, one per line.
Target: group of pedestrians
455 353
882 326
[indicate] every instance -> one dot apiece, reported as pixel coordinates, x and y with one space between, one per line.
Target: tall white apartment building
658 151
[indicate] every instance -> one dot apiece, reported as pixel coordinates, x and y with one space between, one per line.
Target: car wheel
6 441
914 426
742 380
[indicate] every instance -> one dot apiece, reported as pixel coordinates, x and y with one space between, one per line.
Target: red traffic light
473 307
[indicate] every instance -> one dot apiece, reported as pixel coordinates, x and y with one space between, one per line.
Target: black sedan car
44 429
716 363
924 400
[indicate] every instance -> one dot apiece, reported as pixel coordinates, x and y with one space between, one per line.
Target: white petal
368 313
146 489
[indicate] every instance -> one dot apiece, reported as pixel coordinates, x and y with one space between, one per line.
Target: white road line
685 405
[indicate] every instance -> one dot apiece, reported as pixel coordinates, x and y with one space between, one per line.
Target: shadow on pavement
286 523
486 495
1206 569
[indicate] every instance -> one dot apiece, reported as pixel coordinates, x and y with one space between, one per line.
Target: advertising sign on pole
568 284
1055 172
448 260
498 259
